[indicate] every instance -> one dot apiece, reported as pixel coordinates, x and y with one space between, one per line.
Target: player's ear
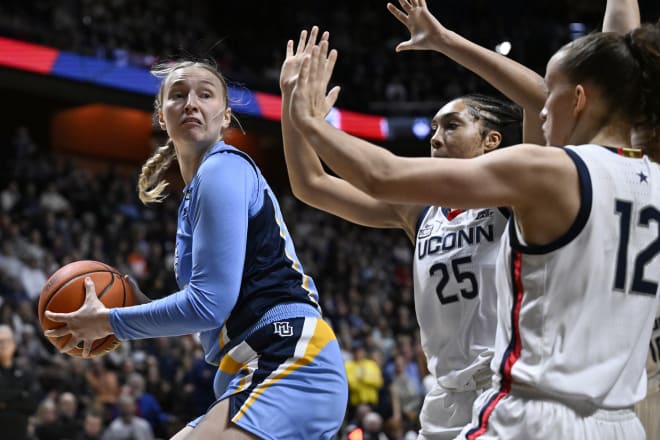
492 141
226 118
579 99
161 120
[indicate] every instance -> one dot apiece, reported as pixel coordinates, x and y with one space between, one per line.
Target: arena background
76 126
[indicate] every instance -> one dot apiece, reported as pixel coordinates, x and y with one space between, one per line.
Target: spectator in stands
147 406
67 408
18 392
92 426
405 395
45 425
364 377
128 426
104 381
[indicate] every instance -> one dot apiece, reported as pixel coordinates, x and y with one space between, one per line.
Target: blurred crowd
248 42
55 209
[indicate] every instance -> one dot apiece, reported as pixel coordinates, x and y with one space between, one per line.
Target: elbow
307 190
301 192
208 314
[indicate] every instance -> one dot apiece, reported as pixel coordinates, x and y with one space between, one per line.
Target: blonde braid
150 186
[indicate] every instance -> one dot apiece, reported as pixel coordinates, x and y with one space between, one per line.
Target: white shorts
513 417
444 413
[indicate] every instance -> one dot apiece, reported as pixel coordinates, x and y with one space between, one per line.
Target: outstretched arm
309 181
621 16
527 178
520 84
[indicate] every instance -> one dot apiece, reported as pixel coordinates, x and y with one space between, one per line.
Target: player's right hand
90 322
293 61
425 30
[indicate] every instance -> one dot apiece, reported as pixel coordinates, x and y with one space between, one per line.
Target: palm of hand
421 25
289 72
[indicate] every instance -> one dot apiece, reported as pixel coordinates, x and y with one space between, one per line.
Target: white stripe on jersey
455 298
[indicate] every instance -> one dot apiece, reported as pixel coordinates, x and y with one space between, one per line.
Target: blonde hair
150 184
151 187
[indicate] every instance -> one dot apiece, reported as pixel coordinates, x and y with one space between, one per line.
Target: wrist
310 125
105 323
442 39
286 91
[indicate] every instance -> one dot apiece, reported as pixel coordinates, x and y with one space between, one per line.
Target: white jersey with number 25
455 298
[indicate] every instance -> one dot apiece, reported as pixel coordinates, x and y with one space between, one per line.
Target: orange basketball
65 292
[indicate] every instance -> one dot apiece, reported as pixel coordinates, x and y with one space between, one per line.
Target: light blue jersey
238 272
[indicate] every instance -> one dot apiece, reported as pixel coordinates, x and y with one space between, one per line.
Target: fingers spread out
301 42
397 13
57 332
87 347
406 5
70 345
90 288
311 41
329 65
316 64
331 99
303 77
289 49
316 60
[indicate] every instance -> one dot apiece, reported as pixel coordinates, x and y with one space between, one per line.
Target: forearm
520 84
175 315
621 16
359 162
302 163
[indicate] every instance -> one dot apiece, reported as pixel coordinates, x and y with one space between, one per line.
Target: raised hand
425 29
87 324
309 100
293 61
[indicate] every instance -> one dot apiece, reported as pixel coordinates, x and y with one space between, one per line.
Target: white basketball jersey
455 298
575 316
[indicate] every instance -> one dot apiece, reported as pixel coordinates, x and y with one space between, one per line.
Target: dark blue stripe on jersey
586 200
420 219
506 212
268 275
273 351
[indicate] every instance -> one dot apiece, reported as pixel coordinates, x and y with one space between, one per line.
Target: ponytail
150 184
644 45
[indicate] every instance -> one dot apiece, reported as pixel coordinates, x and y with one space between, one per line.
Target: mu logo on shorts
283 328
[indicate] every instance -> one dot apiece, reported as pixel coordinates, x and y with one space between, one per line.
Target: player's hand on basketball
90 322
309 100
425 30
293 61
